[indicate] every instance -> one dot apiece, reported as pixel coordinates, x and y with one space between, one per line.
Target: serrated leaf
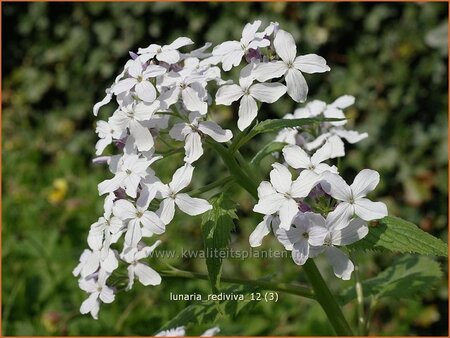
268 126
407 277
397 235
207 311
267 150
217 224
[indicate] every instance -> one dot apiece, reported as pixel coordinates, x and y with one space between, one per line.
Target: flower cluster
164 93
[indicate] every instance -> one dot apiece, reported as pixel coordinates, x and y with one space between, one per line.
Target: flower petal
124 210
297 87
261 231
215 131
192 101
181 178
356 230
192 206
145 91
300 252
269 204
269 70
285 46
193 147
180 42
153 223
365 182
228 94
369 210
142 136
248 110
342 266
169 56
343 101
123 85
296 157
335 186
146 275
166 210
267 92
304 183
288 210
311 63
281 178
133 234
321 154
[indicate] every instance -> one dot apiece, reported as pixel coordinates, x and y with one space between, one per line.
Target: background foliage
57 60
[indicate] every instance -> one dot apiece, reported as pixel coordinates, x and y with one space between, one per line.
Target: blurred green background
58 58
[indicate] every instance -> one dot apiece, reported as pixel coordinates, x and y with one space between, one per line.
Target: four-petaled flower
167 53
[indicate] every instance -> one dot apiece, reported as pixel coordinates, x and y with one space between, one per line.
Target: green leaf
207 311
217 224
398 235
268 126
407 277
267 150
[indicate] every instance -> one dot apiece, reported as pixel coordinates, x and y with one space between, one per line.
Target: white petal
193 147
228 94
304 183
211 332
169 56
343 101
261 231
342 266
181 178
166 210
311 63
124 209
369 210
232 59
215 131
317 235
145 91
226 47
102 144
340 216
335 186
102 103
146 275
288 210
130 270
153 223
350 135
123 85
281 178
248 110
192 101
356 230
131 183
300 252
192 206
296 85
134 234
337 146
285 46
269 204
322 154
91 265
110 262
266 189
154 71
365 182
267 92
90 304
142 136
335 113
289 237
112 184
269 70
249 31
179 131
180 42
296 157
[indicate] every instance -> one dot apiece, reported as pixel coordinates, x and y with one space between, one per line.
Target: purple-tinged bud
303 207
252 54
120 194
120 143
317 192
133 55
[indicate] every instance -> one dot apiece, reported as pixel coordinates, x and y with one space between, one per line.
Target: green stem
359 298
235 169
211 186
326 300
281 287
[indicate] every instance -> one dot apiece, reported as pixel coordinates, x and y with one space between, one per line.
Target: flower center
305 235
128 171
290 64
139 214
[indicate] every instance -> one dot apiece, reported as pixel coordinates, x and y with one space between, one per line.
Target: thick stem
326 300
280 287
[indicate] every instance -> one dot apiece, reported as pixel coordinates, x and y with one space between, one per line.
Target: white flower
248 92
231 52
130 170
340 232
176 332
145 274
138 215
297 158
211 332
133 117
189 86
281 193
91 261
291 66
352 197
99 291
263 229
138 79
167 53
303 234
107 99
106 134
192 134
107 229
334 110
170 193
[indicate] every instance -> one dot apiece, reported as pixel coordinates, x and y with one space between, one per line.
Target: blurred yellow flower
58 191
